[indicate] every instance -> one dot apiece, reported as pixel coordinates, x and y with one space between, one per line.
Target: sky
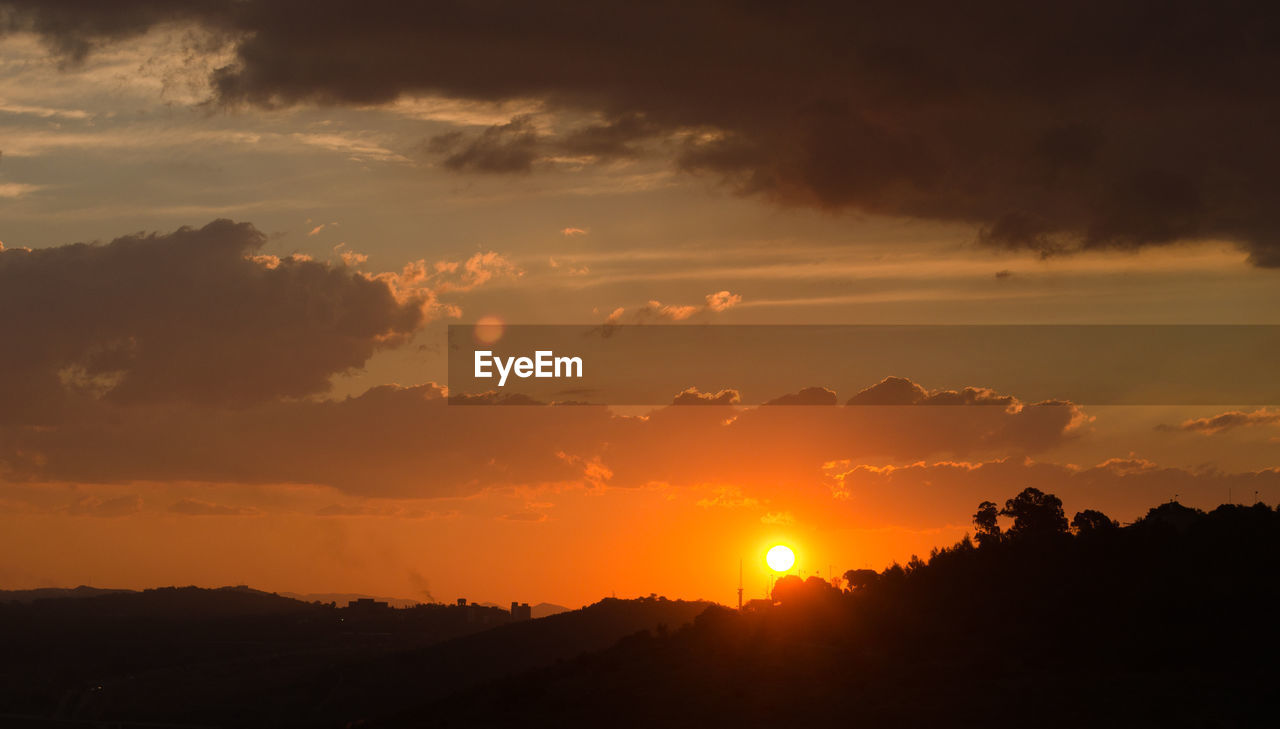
234 233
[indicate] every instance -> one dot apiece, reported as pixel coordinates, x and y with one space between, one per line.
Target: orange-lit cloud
569 269
692 396
350 258
658 310
452 276
716 303
1229 421
722 300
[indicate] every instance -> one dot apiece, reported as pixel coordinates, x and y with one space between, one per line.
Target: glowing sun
780 558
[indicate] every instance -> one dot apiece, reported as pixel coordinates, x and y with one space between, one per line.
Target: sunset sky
234 234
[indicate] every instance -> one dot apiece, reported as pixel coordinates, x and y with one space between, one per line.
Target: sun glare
780 558
489 329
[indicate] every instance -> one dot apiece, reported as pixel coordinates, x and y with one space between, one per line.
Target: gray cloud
511 147
189 316
901 391
807 396
1056 127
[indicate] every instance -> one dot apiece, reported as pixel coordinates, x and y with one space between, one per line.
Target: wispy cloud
1228 421
44 112
357 148
15 189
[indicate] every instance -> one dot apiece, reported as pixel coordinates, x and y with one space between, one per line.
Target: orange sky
241 378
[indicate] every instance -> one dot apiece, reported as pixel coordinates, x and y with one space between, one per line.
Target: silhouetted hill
237 657
1166 623
167 603
342 598
385 690
41 593
156 654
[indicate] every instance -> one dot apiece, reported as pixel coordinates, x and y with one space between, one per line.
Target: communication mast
739 584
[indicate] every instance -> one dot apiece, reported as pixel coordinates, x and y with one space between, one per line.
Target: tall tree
1035 514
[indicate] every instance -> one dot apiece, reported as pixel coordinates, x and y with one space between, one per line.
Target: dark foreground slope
1171 622
242 658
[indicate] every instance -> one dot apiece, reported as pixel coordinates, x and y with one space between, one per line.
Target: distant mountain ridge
239 657
547 609
44 593
342 598
541 610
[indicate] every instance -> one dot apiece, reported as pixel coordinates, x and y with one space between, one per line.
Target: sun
780 558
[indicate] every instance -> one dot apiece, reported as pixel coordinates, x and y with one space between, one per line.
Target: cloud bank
1051 127
191 316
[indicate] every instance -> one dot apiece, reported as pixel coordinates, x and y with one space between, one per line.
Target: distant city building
368 603
462 602
521 611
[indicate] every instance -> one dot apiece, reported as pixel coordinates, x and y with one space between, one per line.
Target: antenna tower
739 584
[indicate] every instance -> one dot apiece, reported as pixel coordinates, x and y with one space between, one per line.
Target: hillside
238 657
44 593
1169 622
342 598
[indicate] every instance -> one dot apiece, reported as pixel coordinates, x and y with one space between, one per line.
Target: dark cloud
517 145
75 27
901 391
890 391
511 147
190 316
389 440
1099 124
807 396
394 441
618 138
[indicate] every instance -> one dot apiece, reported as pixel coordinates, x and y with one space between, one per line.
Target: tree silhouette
792 590
1035 514
1092 521
985 521
858 579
